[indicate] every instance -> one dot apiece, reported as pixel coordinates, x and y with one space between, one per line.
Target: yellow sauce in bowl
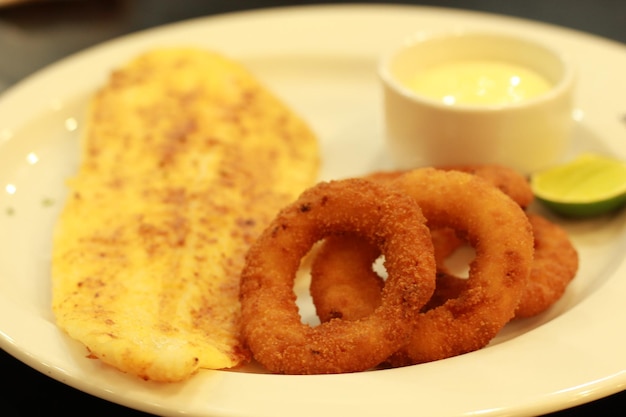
478 82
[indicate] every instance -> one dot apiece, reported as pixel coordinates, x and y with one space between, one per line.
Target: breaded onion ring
333 296
271 324
346 286
554 266
508 180
500 233
332 290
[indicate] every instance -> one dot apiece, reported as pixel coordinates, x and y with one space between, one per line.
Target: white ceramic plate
322 61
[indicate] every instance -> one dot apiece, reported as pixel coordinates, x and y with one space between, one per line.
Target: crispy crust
272 327
488 219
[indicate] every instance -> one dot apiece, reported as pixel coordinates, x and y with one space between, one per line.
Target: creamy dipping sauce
479 82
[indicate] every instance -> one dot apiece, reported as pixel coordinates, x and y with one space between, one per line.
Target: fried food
185 159
508 180
487 219
340 263
554 267
271 324
555 264
331 289
337 293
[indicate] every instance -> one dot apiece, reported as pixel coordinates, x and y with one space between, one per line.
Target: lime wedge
590 185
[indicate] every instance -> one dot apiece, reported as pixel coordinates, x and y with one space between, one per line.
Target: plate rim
584 394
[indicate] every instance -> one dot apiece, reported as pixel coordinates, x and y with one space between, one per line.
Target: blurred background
34 34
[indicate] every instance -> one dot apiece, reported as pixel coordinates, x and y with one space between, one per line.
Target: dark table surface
35 33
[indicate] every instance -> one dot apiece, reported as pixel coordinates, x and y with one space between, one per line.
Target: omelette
185 158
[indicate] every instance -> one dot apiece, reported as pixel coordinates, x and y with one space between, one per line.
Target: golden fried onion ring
507 180
555 265
271 324
500 233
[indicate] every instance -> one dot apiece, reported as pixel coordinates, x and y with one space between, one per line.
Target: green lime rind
591 185
581 210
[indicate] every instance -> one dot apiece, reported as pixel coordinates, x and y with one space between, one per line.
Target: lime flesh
590 185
